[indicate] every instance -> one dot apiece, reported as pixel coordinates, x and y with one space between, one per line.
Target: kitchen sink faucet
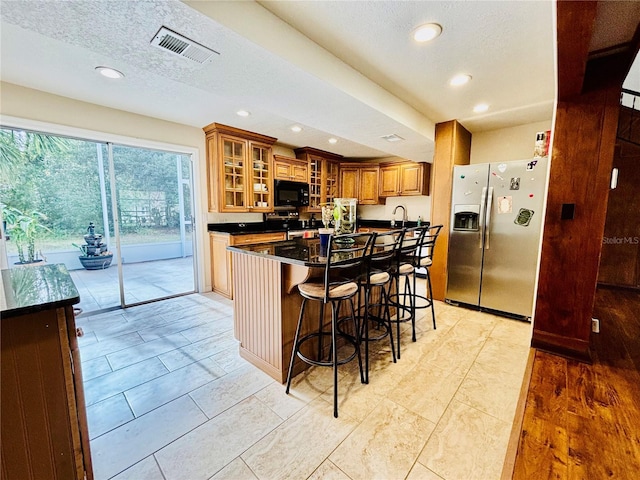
404 215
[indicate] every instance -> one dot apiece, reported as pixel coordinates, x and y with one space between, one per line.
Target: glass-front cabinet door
261 183
315 183
233 167
324 170
239 169
331 180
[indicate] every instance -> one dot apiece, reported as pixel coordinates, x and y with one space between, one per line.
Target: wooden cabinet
285 168
324 168
239 170
44 423
406 178
359 181
221 265
368 187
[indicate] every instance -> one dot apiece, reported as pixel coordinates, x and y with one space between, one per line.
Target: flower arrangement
327 214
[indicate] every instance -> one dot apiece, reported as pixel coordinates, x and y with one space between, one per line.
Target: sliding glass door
58 196
153 227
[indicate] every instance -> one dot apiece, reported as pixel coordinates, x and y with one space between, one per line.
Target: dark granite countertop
363 222
33 289
245 228
270 227
297 251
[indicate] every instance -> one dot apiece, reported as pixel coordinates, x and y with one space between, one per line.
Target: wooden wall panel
36 434
257 284
620 260
453 147
576 20
582 155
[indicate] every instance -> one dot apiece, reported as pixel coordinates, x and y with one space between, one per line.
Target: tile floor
143 281
168 397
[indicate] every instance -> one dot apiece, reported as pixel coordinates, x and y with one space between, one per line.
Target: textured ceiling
343 69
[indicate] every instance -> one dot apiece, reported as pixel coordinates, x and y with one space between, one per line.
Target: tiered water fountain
96 256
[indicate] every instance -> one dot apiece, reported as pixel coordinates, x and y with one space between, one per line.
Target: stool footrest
326 363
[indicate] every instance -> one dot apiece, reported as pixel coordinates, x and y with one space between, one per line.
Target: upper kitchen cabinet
293 169
324 170
239 169
406 178
359 180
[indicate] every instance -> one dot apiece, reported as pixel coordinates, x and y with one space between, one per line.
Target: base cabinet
44 424
221 262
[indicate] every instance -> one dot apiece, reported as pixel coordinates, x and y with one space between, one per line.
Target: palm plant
24 229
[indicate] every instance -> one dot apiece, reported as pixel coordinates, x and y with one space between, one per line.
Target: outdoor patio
143 281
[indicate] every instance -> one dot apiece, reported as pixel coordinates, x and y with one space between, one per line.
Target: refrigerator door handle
488 222
483 203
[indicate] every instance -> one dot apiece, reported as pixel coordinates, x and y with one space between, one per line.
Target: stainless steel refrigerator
496 222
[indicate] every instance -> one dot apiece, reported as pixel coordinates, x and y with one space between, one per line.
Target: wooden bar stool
347 257
384 250
405 265
424 259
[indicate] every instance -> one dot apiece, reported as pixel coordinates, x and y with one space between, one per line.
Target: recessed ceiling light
333 140
480 108
243 113
427 32
459 79
296 129
109 72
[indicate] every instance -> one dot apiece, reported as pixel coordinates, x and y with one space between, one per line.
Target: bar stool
384 250
347 257
424 259
405 265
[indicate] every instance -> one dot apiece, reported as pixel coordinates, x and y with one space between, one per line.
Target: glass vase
344 215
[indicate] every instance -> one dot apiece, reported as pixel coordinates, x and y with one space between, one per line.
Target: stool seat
316 291
405 269
425 262
378 279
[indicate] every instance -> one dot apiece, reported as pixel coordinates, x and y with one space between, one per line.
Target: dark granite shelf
33 289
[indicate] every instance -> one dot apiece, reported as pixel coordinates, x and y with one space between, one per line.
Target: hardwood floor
582 421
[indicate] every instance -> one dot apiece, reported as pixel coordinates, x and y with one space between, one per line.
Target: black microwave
291 194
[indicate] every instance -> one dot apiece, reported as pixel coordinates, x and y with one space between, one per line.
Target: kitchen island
267 303
44 425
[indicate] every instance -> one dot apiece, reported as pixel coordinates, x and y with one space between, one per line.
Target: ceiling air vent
392 138
175 43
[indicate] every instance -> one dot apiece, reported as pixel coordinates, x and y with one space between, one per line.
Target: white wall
514 143
419 205
26 108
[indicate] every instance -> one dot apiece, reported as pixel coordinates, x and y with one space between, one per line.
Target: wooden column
581 160
582 155
453 147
